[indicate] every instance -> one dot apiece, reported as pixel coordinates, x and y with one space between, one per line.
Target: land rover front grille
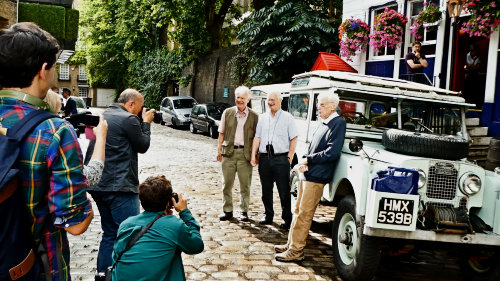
442 181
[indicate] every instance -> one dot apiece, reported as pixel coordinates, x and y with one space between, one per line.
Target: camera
85 119
157 115
81 121
175 196
270 149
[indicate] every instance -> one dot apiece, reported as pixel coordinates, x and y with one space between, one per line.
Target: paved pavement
237 250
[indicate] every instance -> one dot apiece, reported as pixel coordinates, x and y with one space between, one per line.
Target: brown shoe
290 256
280 248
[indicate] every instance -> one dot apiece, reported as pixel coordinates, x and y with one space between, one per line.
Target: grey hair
242 90
128 95
278 95
330 96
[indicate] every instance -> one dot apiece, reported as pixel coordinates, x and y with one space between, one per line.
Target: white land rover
400 126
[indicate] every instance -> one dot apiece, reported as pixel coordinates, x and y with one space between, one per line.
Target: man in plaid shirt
50 161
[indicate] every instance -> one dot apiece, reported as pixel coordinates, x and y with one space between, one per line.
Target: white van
260 92
399 130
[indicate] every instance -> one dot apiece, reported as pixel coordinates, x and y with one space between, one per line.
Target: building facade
446 47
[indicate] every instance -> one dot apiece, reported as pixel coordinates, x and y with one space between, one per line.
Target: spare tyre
425 145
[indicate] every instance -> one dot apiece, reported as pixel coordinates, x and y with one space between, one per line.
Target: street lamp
454 7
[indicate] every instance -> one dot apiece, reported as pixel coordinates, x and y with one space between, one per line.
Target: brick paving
237 250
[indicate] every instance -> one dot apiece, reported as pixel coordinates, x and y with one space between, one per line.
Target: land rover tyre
174 124
212 132
162 122
192 129
425 145
483 265
356 256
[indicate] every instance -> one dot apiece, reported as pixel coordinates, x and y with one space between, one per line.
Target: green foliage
78 57
120 35
72 18
151 73
49 18
285 39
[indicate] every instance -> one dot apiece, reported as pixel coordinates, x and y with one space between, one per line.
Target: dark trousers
271 170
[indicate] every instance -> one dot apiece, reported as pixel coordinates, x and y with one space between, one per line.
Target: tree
281 40
118 34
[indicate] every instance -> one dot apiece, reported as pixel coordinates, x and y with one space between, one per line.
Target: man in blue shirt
318 167
275 139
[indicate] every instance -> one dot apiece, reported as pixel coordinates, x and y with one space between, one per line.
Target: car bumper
425 235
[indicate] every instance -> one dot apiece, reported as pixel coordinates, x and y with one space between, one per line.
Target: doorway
469 68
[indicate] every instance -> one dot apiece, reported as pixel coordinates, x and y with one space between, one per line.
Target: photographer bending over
157 253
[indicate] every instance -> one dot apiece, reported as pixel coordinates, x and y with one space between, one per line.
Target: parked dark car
206 118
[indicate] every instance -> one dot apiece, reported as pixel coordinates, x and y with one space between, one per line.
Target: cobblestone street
240 250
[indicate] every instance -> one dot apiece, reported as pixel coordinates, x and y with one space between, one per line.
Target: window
299 105
64 72
385 52
429 33
83 92
82 73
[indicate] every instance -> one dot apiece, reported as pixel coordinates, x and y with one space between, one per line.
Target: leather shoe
266 221
244 216
226 216
285 225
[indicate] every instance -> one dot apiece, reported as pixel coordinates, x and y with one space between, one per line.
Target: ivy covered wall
62 23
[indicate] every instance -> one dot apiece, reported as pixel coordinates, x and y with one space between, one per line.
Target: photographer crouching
159 236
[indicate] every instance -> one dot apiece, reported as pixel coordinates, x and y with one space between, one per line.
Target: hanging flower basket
430 14
353 35
388 30
484 18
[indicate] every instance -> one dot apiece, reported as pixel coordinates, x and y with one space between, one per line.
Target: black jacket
126 137
324 151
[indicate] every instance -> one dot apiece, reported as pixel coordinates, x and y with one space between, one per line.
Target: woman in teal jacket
157 254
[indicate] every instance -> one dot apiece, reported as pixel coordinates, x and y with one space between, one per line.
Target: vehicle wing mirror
355 145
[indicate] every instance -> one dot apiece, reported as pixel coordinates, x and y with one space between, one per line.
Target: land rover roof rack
397 84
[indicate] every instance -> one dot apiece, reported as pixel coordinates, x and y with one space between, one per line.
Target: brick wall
210 77
8 13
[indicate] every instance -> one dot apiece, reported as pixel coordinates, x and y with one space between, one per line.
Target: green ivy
72 18
49 18
150 74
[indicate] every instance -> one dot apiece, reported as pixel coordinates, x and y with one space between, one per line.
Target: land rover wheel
425 145
192 129
480 265
294 189
355 255
162 122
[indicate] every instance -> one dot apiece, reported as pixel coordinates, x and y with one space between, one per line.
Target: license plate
395 211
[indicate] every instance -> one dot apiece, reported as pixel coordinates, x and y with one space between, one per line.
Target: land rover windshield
376 113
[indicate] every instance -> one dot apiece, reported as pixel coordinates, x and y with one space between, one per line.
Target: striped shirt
53 185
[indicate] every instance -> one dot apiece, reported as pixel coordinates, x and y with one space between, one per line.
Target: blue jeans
114 208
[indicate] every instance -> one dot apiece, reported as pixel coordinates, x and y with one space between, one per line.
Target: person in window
415 64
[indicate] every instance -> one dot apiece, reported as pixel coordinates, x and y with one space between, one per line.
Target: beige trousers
236 163
307 200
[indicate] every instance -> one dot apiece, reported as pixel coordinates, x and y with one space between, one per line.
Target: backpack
17 252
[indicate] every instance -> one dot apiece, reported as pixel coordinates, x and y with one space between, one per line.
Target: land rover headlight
470 184
422 178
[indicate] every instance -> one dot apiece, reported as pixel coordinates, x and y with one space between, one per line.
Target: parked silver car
175 110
